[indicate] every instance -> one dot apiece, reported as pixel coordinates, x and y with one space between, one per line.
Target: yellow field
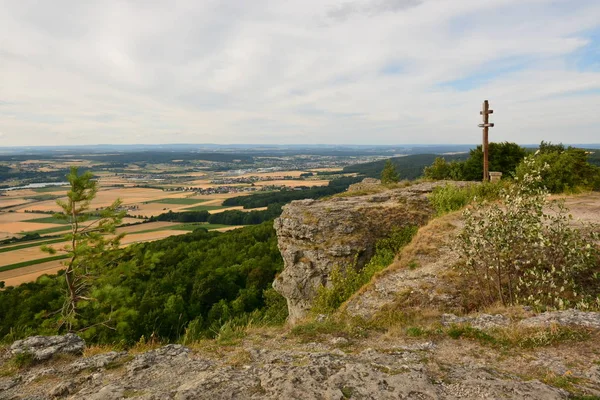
15 277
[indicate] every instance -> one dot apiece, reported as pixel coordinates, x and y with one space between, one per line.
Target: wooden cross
486 125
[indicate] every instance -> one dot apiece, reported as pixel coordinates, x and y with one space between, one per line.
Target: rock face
44 347
314 237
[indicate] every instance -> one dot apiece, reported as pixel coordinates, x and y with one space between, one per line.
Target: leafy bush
520 253
344 283
567 170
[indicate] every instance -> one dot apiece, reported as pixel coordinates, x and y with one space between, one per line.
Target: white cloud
361 71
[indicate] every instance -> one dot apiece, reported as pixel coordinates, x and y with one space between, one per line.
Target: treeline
230 217
186 286
285 196
408 167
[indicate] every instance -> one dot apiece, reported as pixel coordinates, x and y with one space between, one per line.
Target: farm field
147 185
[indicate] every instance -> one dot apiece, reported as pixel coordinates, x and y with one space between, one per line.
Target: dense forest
408 167
195 282
230 217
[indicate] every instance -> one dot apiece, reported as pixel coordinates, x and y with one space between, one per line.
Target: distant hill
409 167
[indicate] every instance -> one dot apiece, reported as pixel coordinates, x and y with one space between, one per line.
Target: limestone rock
44 347
314 237
95 362
162 356
481 321
567 317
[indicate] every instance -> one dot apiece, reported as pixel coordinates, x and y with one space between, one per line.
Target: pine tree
87 243
389 174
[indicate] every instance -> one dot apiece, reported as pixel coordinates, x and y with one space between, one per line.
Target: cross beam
486 125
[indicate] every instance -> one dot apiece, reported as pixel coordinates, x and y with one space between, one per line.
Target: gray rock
62 389
481 321
95 362
315 237
109 392
566 317
162 356
44 347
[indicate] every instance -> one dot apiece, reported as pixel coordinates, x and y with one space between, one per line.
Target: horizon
361 72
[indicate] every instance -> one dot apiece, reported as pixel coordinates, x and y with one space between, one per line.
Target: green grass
32 262
205 208
183 201
183 227
49 230
24 246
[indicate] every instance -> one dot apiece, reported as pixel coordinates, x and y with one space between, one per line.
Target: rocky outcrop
314 237
44 347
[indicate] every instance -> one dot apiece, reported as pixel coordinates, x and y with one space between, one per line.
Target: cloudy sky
298 71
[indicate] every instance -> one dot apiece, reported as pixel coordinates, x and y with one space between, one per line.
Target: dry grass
97 349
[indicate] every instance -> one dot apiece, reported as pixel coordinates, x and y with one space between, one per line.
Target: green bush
562 170
518 252
344 283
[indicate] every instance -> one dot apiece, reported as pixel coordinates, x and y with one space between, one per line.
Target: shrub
567 170
520 253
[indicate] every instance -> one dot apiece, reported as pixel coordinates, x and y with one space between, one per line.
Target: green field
24 246
43 197
51 189
182 201
205 208
52 220
32 262
183 227
49 230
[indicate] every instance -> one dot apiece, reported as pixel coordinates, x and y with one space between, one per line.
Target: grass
205 208
24 246
32 262
182 201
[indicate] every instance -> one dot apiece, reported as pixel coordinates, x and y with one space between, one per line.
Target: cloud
370 8
312 71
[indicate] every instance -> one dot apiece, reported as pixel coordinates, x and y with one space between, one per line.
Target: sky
298 71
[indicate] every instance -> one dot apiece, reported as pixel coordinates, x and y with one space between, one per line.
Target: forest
200 280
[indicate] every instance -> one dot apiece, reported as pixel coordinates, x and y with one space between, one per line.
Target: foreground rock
314 237
45 347
311 371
